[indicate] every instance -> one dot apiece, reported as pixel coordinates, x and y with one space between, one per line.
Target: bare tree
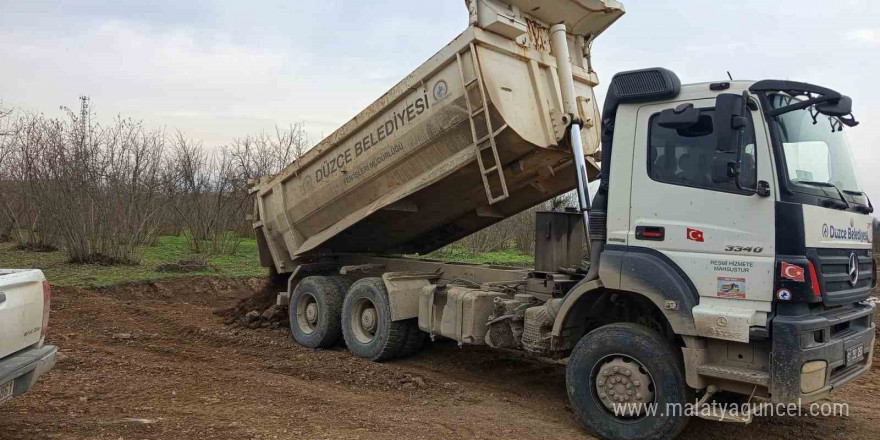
207 196
100 191
93 190
100 186
6 220
22 156
264 155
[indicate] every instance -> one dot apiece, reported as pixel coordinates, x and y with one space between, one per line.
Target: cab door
721 236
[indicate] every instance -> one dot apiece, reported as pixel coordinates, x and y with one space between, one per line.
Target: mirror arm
849 121
739 142
800 105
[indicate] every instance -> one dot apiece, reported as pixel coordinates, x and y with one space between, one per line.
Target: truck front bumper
809 354
26 366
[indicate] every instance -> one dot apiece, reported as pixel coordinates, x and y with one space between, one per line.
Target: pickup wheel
626 367
366 322
314 311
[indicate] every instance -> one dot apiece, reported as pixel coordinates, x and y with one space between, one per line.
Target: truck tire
415 338
344 284
366 322
314 309
626 363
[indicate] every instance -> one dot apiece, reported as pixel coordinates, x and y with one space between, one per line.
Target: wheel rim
364 320
622 380
307 313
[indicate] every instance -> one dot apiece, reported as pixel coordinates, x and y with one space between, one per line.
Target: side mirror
678 118
840 107
729 120
724 168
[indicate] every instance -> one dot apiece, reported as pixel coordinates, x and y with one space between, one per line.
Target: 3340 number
746 249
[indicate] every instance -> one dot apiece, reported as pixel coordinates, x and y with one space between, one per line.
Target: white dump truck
729 241
24 320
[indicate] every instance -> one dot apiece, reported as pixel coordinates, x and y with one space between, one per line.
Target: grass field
168 250
507 257
245 263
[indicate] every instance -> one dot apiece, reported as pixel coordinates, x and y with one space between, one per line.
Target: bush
103 193
209 191
93 190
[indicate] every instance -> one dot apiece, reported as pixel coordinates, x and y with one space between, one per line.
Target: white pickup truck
24 320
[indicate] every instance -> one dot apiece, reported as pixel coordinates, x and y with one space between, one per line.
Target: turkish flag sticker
792 272
695 234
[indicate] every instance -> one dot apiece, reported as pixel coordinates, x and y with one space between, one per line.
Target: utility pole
84 115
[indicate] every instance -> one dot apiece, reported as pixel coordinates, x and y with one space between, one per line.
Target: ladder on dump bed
484 141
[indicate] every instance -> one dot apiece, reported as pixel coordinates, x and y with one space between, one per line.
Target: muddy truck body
703 187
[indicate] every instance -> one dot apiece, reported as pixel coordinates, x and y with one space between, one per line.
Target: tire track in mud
182 374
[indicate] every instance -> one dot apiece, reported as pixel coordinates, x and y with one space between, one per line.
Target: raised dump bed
470 137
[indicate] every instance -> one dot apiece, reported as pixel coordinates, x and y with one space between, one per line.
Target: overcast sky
221 69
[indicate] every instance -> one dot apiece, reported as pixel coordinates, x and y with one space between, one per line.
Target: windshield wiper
816 183
864 209
827 185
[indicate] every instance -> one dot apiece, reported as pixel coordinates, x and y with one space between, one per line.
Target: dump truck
702 187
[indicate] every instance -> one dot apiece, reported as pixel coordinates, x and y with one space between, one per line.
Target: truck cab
729 221
735 205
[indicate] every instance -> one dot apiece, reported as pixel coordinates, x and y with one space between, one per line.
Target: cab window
685 156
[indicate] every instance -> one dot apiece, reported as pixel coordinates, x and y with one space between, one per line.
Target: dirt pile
181 266
195 289
258 310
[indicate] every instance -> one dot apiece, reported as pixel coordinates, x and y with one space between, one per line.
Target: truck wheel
415 338
314 311
344 284
366 322
620 364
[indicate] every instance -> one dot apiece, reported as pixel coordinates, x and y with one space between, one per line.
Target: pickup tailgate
21 309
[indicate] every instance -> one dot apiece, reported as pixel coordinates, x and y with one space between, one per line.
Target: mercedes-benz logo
853 269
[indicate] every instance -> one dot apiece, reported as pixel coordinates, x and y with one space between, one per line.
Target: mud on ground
153 361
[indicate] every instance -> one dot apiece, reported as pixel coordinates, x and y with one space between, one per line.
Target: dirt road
153 362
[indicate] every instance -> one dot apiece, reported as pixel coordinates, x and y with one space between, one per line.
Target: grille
635 84
597 225
831 267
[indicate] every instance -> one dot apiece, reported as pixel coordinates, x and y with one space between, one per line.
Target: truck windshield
816 149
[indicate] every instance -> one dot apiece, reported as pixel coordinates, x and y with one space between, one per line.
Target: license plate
6 390
855 354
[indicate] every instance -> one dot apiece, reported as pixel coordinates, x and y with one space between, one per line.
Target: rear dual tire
325 310
314 310
367 327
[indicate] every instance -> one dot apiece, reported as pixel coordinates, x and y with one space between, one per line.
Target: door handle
763 188
651 233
